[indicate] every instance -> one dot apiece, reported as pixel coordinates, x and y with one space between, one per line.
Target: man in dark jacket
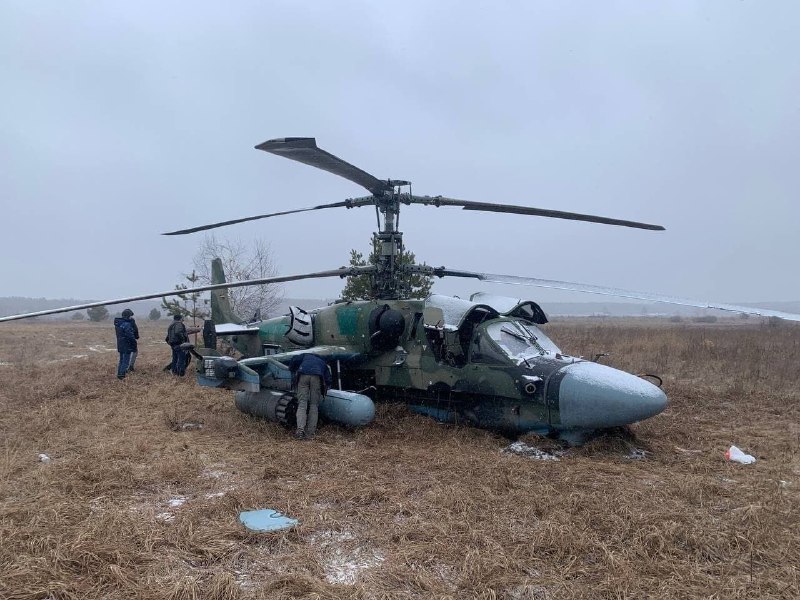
176 335
126 341
312 378
128 314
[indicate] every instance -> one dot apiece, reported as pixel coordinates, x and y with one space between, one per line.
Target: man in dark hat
126 341
176 335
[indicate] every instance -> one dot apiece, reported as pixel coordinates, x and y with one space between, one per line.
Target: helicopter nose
596 396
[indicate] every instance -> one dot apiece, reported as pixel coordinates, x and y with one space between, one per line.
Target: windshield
520 339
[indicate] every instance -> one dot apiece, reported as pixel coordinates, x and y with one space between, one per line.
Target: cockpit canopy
512 307
457 312
477 332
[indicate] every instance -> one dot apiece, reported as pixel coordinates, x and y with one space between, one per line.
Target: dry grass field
146 477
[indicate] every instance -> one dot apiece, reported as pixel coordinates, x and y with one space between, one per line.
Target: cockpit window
484 351
520 340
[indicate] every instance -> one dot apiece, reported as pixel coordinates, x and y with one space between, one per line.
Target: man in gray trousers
311 378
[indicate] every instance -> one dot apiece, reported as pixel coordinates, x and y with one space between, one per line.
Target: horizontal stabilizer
234 329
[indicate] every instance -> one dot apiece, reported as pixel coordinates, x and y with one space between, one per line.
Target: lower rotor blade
350 203
524 210
305 150
620 293
341 272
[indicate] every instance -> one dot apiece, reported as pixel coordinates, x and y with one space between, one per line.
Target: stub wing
327 352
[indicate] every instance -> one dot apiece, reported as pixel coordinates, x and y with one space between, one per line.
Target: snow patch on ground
6 364
637 454
522 449
188 426
215 471
214 474
145 504
100 348
342 560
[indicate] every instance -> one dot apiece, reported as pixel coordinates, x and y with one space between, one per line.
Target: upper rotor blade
305 150
523 210
609 291
350 203
341 272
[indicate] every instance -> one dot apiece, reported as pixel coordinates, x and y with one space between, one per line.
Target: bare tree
240 262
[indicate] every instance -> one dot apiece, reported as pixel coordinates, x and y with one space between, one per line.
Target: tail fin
220 304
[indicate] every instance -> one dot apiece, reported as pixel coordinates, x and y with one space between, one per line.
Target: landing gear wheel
286 411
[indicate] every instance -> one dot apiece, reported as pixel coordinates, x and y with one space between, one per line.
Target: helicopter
484 362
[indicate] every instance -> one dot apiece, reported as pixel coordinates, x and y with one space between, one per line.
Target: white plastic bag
737 455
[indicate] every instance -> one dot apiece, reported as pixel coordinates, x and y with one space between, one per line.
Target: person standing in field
126 341
177 335
128 313
311 378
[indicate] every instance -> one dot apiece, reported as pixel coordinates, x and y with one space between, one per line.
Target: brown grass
405 508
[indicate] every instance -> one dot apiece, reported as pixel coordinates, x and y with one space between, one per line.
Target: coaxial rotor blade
610 291
522 210
341 272
305 150
349 203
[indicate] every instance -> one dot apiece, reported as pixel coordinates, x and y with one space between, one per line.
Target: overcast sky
121 120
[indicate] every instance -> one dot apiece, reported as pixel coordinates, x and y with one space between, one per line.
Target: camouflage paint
432 370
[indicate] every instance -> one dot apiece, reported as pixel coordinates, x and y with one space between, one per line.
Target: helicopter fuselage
457 361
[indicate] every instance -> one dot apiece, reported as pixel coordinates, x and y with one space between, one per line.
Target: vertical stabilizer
220 304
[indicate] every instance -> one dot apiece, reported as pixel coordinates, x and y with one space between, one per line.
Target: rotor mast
387 282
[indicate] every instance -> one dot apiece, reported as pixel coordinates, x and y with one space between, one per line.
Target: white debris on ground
523 449
736 455
341 564
6 364
44 458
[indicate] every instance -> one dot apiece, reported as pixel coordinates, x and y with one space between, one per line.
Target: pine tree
188 304
359 287
154 315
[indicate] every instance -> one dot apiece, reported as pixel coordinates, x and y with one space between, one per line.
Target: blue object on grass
266 519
